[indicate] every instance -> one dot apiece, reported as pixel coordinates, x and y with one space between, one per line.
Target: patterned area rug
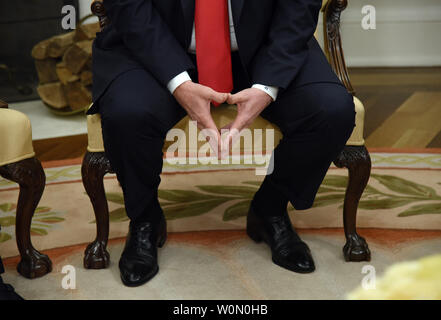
404 192
208 255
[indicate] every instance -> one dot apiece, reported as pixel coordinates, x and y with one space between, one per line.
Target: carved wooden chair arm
98 10
332 40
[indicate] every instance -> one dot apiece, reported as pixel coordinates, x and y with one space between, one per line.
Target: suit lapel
188 11
236 8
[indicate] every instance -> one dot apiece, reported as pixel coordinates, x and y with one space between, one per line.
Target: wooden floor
60 148
403 106
403 110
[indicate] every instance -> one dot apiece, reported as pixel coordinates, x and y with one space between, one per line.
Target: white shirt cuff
271 91
174 83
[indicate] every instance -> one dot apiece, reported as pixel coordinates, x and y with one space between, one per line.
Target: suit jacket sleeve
279 60
148 38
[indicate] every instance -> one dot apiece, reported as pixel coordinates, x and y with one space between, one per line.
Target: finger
224 131
214 136
233 134
212 139
235 98
218 97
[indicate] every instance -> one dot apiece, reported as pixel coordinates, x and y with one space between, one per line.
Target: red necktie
213 48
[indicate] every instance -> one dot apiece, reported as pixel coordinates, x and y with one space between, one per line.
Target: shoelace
141 239
286 237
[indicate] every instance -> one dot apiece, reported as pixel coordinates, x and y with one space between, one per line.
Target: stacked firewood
63 64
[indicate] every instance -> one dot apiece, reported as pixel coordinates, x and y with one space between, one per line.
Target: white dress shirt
184 76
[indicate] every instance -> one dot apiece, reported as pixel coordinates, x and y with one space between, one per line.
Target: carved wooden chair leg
95 166
358 162
30 176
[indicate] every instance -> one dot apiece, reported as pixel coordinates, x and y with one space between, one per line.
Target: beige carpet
227 265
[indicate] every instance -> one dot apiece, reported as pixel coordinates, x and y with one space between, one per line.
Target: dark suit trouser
316 120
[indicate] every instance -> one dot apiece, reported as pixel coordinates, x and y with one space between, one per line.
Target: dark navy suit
145 46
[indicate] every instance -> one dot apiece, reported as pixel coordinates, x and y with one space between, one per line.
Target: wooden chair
354 157
18 164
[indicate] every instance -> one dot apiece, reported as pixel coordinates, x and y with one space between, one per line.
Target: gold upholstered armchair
354 157
18 164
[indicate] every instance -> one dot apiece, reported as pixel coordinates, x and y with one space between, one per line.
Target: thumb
234 98
218 97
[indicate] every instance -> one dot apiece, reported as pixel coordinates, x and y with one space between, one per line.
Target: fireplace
23 23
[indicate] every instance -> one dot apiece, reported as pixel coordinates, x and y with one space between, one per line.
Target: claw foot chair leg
30 176
95 166
358 162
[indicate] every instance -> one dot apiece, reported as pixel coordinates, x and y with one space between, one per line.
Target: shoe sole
290 268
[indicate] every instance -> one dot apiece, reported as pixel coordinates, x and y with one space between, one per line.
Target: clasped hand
196 100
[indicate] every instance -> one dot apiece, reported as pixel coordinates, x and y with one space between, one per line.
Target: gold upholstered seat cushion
15 137
223 115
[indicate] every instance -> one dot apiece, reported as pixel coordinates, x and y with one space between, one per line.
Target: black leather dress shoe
139 260
288 250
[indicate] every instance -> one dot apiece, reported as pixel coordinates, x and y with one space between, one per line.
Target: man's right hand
196 99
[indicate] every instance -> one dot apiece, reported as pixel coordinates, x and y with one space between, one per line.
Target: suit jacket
275 40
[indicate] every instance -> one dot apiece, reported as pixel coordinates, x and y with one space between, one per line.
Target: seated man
158 60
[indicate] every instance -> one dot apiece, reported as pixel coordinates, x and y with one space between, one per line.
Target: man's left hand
250 103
